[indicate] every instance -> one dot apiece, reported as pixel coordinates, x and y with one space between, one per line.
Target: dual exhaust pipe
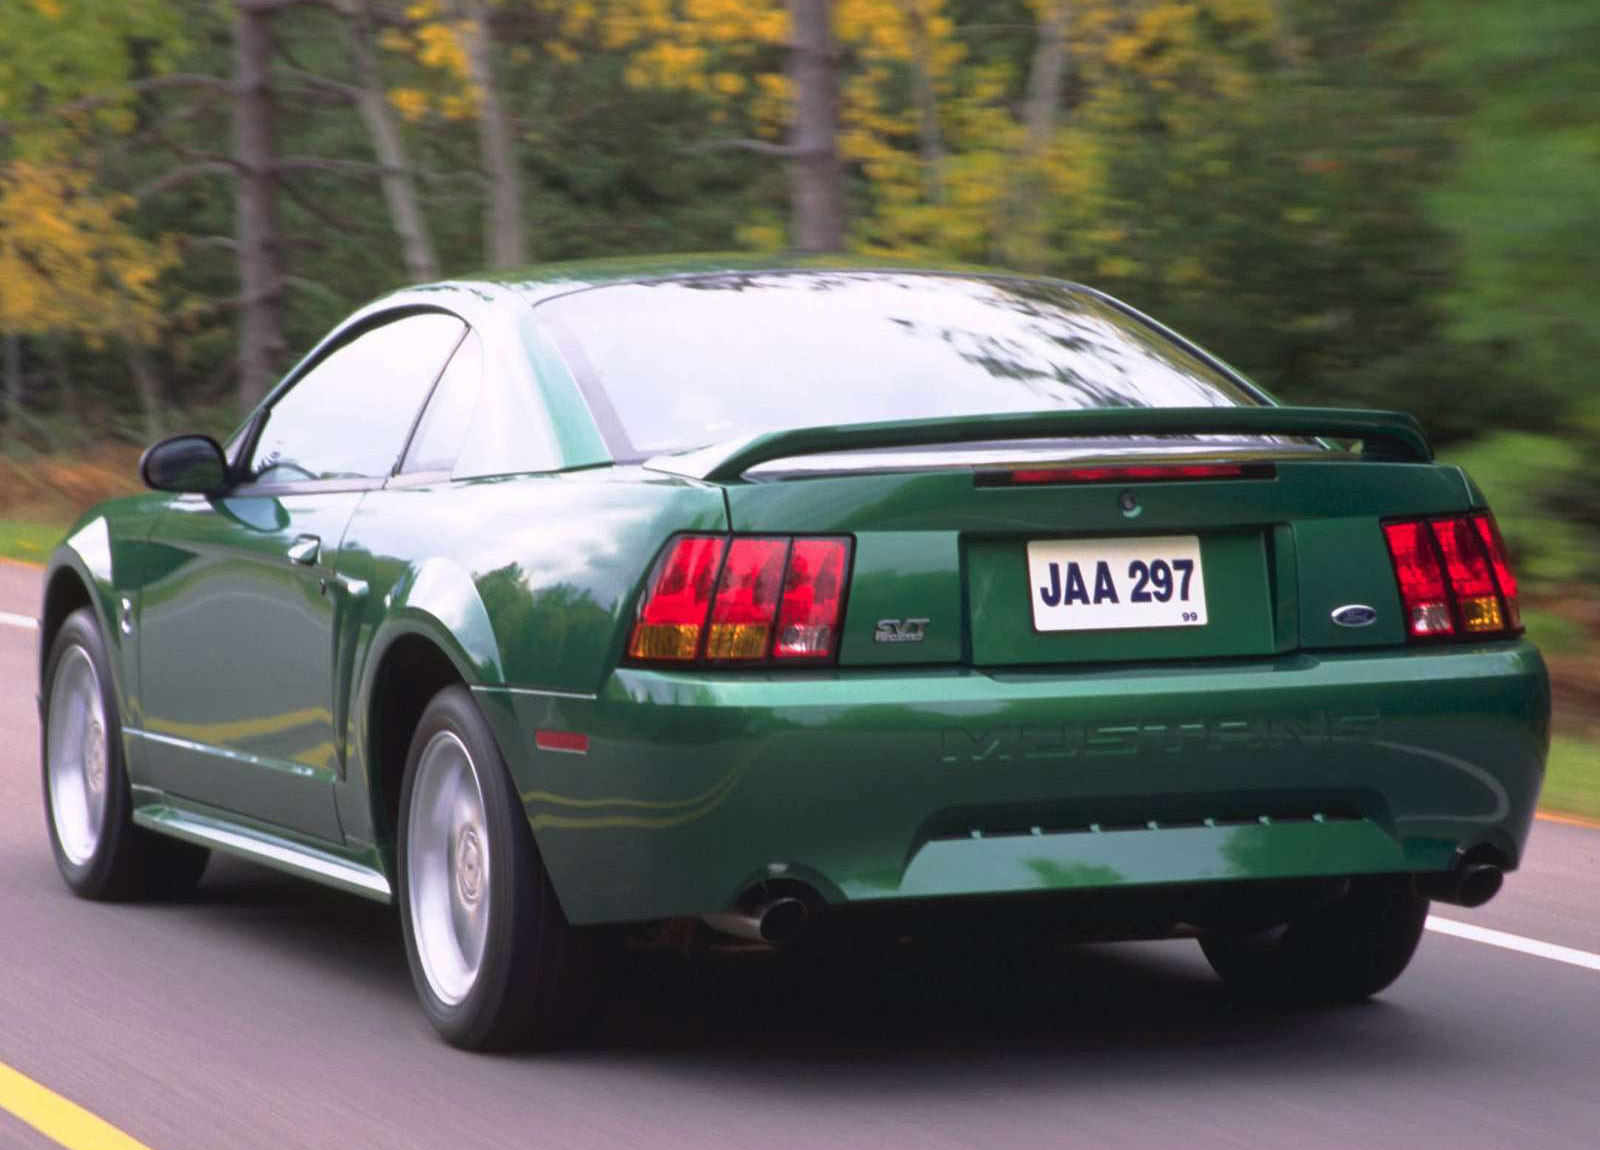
775 921
1469 884
778 921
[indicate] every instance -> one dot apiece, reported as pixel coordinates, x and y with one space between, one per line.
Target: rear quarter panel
526 581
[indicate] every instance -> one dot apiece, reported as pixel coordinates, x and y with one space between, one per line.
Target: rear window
678 364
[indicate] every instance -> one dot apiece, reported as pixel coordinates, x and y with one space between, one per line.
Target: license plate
1101 584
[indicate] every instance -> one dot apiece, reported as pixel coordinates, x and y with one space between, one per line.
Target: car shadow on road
964 1020
964 1016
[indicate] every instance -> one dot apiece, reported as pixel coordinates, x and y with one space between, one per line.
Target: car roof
543 281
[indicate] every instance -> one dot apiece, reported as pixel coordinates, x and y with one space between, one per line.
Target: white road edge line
1514 942
26 622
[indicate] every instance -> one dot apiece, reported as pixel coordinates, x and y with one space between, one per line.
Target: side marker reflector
570 742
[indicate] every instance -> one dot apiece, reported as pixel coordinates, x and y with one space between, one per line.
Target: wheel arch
411 671
79 575
435 633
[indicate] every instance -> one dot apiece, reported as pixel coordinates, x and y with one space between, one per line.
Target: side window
347 418
444 424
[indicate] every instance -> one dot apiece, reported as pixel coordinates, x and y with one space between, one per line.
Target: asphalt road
270 1013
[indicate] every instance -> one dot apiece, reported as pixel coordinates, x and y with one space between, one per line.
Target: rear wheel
1344 951
88 808
493 959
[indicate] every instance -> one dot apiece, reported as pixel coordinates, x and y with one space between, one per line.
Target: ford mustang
789 603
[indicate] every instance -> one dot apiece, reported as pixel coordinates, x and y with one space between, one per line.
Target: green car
802 605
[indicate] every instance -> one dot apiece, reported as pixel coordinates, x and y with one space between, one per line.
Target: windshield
678 364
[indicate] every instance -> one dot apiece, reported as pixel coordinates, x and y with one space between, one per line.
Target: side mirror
185 463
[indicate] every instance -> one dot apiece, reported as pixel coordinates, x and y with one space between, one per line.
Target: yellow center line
56 1118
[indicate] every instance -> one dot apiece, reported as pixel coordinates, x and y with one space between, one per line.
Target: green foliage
1376 202
1539 485
1554 634
66 64
1521 200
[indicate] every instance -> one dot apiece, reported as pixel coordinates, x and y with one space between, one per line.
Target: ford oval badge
1354 615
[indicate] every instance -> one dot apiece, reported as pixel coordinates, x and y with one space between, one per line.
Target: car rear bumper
872 785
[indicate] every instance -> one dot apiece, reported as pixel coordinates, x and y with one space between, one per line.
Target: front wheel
88 807
493 959
1346 950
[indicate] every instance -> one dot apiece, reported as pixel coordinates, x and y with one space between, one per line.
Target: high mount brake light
1453 575
720 600
1126 473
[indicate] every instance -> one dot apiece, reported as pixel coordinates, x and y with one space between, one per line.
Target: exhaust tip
768 916
1470 884
782 921
1478 883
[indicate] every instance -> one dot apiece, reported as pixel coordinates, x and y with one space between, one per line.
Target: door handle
304 550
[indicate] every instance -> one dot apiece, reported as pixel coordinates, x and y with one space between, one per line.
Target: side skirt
275 849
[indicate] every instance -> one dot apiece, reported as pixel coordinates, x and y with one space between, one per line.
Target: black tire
532 985
126 862
1345 950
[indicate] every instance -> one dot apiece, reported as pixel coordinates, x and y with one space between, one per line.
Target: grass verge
28 540
1572 780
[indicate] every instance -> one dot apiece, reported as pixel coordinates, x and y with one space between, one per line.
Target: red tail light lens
673 612
1495 548
1467 567
1421 576
744 599
813 592
1453 576
747 600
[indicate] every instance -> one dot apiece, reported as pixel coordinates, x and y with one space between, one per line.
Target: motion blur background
1390 203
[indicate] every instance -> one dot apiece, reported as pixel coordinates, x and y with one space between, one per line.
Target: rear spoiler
1388 436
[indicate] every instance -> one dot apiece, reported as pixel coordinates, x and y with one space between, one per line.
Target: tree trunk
66 386
1016 241
815 179
1046 76
929 141
502 225
1285 46
261 341
13 383
399 189
145 386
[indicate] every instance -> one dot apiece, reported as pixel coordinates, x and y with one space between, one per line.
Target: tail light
1453 575
813 591
673 614
1495 547
743 600
747 599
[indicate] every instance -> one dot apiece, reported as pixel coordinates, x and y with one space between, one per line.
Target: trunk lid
942 573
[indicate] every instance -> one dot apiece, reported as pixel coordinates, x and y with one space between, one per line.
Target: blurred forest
1371 202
